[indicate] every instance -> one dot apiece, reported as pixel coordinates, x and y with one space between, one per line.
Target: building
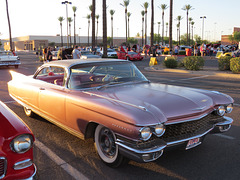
39 42
225 38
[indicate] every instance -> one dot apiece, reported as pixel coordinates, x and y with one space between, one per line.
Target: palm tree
74 8
145 5
170 25
128 15
125 4
112 13
190 20
69 21
93 24
163 7
9 27
178 29
158 31
152 22
142 13
97 17
187 8
166 28
104 29
61 20
192 23
179 18
88 17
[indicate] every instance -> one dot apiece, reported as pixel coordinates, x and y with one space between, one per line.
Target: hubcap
107 143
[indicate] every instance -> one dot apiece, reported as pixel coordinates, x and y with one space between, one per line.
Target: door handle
41 88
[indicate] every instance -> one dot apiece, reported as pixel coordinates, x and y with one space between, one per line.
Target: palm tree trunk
74 29
9 27
142 29
104 29
128 28
187 26
152 23
97 33
93 23
61 35
126 22
88 30
70 34
170 25
162 27
179 34
112 29
145 27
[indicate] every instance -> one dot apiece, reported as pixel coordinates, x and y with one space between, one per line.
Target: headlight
159 130
145 133
22 143
221 110
229 108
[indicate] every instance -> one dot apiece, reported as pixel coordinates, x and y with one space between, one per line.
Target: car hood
162 102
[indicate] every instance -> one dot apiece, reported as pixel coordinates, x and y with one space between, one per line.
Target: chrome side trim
137 151
28 163
193 119
187 139
5 167
227 122
35 171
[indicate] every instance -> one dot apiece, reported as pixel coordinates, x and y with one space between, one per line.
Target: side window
53 75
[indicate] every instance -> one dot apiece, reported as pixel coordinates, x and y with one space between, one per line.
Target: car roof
68 63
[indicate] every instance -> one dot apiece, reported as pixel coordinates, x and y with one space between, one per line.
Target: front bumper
10 63
151 150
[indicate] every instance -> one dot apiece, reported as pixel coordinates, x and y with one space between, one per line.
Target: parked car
110 53
112 102
89 56
129 55
8 59
16 141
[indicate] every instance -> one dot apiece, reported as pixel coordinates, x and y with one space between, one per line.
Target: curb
210 72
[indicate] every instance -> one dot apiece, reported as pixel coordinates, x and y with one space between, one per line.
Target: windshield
97 75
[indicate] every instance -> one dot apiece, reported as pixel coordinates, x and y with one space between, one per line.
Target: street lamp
67 2
79 36
203 17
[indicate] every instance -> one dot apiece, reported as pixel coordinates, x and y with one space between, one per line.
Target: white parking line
9 102
225 136
68 168
236 104
190 78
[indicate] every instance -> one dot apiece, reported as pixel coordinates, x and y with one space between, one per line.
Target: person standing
195 49
176 49
64 54
49 54
76 53
211 51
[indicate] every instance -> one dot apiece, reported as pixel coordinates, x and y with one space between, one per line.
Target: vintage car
16 152
112 102
8 59
130 55
111 53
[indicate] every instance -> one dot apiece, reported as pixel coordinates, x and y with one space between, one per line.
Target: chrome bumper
151 154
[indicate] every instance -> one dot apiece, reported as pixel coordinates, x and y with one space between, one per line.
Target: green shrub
224 63
182 53
235 65
170 62
193 62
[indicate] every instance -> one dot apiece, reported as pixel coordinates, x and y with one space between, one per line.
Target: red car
130 55
16 152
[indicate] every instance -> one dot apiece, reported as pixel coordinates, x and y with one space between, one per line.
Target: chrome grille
3 167
175 132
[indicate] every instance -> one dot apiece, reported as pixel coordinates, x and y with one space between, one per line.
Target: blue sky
39 17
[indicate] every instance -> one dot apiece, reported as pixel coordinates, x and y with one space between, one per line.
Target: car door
52 93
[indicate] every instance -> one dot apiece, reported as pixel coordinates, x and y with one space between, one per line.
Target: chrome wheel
107 149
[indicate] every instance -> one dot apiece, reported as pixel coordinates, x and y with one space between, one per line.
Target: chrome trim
227 122
22 162
187 139
111 99
35 171
149 150
5 167
193 119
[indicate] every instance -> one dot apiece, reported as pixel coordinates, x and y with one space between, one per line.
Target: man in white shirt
76 53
